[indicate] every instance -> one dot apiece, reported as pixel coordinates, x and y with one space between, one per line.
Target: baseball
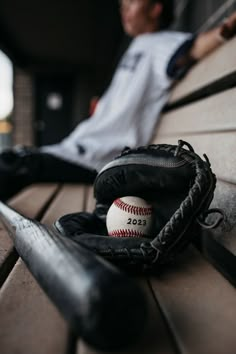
129 216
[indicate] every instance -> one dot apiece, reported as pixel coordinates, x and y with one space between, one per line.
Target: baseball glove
175 180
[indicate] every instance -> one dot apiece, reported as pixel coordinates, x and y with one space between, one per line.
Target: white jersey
127 113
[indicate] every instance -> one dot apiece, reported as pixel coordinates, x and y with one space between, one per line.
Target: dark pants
24 166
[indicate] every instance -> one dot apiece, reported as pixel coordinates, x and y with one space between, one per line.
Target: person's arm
207 42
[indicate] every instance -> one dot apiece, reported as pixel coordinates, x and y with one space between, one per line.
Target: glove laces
201 219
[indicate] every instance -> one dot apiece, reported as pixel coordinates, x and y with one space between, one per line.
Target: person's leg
54 169
20 167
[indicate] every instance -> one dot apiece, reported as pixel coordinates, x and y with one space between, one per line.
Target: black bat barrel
102 304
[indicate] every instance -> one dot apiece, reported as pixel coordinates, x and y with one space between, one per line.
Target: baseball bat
105 307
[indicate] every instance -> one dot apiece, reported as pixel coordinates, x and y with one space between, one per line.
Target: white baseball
129 216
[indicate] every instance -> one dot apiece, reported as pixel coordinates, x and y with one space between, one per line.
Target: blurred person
127 113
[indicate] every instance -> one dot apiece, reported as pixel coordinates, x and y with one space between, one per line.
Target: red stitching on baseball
137 210
126 233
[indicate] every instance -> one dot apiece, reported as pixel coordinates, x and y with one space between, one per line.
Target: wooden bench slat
224 198
199 304
5 247
25 327
48 330
213 114
31 200
219 245
220 256
217 65
29 322
219 147
90 200
70 199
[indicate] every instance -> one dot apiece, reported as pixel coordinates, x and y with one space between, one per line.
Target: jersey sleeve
175 71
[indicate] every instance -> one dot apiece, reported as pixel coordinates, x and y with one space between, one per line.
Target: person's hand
228 28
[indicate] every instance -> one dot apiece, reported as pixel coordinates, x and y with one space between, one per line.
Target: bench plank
199 305
29 322
43 331
215 66
219 147
90 200
25 328
224 198
70 199
213 114
219 245
33 199
54 333
8 255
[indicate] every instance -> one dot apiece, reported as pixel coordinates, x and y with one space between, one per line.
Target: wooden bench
193 302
